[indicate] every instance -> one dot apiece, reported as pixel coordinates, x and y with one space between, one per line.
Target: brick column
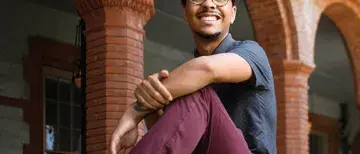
291 83
114 41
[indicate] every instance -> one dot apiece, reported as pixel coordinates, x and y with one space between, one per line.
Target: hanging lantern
76 78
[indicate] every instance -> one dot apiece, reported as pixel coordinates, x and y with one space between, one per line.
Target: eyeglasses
218 3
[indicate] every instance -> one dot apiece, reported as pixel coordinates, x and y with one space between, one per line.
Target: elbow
206 66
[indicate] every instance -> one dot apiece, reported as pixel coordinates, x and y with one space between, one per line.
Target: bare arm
202 71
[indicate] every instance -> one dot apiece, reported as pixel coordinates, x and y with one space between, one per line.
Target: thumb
163 74
115 142
114 146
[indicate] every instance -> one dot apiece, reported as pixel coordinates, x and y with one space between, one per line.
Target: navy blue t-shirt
251 104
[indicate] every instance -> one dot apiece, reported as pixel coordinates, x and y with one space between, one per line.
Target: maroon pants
197 123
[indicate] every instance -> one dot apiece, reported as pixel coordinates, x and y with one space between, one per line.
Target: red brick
113 63
115 41
105 115
111 85
102 131
113 77
109 100
114 70
116 32
107 108
101 123
292 105
114 55
97 139
114 60
96 147
109 93
98 152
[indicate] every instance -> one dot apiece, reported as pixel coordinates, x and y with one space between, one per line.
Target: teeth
208 18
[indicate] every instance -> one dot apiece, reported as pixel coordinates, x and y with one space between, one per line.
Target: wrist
140 113
137 113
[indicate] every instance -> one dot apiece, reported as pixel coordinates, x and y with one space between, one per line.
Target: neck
207 46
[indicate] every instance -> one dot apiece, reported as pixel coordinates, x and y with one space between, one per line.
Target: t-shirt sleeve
256 57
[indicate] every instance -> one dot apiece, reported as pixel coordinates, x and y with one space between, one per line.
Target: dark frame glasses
218 3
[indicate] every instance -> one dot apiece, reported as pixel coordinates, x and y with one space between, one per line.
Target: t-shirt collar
223 47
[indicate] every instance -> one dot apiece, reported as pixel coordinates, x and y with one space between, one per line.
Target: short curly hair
183 2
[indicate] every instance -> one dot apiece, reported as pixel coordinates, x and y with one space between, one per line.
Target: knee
199 101
208 92
205 94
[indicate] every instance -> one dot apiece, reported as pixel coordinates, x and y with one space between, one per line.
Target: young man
221 102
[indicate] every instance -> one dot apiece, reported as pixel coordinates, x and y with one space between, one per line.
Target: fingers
148 100
159 87
152 92
163 74
142 101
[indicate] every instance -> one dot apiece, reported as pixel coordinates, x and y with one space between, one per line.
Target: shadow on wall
355 147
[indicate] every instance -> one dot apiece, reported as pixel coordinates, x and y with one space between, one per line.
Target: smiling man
220 102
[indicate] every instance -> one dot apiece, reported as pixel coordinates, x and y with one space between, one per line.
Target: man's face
208 18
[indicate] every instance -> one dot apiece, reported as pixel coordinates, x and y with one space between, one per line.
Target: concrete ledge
11 113
14 130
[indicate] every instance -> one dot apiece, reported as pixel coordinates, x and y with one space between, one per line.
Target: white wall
324 106
14 132
20 19
158 57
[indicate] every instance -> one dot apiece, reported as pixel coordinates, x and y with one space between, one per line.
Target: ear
234 9
185 17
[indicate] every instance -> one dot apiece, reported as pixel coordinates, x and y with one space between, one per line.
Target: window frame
43 51
324 137
66 76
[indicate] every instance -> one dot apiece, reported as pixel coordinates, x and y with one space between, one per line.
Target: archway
346 19
331 90
274 30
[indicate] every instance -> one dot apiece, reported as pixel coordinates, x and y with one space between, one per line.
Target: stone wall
14 132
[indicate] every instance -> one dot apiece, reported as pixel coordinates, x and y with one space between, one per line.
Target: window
62 116
317 143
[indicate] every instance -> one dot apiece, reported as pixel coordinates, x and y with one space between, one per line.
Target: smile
208 17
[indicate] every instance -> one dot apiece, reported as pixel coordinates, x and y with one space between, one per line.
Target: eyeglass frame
211 0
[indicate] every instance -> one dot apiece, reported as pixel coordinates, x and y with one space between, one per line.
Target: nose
209 4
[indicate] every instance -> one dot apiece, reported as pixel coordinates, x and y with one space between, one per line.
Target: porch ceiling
61 5
331 79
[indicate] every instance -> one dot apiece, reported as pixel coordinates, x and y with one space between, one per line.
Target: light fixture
76 77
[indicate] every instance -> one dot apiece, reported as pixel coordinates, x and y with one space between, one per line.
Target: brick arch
346 16
274 27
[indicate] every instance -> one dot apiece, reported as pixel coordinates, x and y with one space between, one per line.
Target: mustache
208 11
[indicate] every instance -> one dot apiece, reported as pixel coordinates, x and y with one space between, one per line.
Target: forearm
189 77
185 79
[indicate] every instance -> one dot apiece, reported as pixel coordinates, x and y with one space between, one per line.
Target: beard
208 36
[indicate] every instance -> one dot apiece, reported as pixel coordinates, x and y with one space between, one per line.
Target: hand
120 143
126 133
151 93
